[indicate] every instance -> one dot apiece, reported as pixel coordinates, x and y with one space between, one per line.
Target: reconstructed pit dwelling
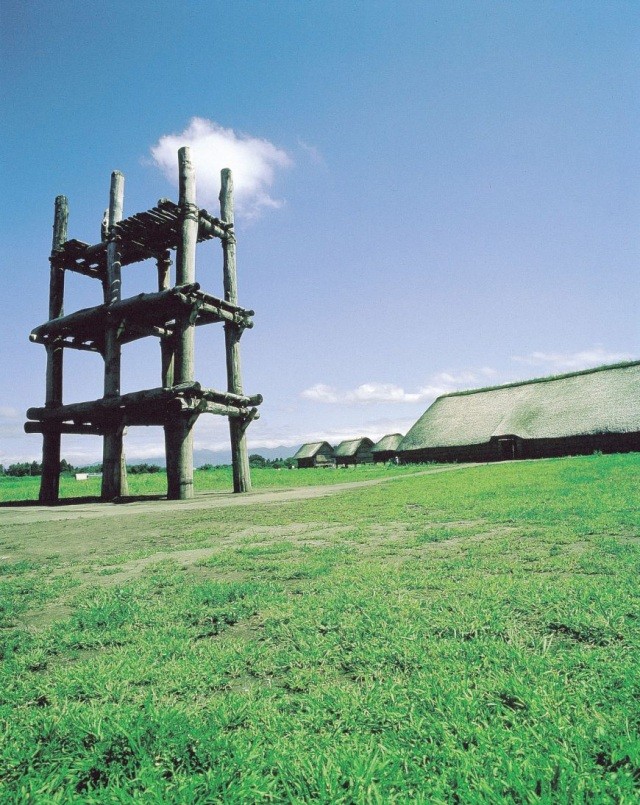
170 314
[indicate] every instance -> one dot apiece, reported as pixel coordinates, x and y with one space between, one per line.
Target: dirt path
105 545
96 534
29 514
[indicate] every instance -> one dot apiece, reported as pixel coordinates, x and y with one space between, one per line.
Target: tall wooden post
178 434
163 265
50 479
232 333
167 350
114 471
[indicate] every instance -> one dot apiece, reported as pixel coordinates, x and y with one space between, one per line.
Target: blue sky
436 195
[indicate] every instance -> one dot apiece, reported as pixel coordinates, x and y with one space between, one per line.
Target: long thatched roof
351 446
601 400
310 449
388 442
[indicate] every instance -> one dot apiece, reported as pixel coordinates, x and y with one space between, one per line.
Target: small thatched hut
354 451
570 414
315 454
387 448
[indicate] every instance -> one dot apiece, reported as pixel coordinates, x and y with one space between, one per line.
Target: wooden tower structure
171 314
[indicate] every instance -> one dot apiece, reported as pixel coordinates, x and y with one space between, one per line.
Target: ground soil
99 541
68 526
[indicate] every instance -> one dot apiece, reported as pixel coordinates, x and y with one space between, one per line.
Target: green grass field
218 479
470 636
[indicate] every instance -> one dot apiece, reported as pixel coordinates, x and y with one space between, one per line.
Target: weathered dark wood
144 235
179 435
228 398
163 265
64 427
114 469
208 407
248 418
108 404
186 262
179 447
140 316
50 478
232 333
211 227
65 342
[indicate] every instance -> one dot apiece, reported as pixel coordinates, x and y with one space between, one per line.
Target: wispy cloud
312 152
374 392
583 359
254 163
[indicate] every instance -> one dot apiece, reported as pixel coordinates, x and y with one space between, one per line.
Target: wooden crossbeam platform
139 316
142 236
149 407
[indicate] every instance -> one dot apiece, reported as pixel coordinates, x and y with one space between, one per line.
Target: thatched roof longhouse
592 403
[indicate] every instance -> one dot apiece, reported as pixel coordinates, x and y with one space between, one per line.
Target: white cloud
254 163
8 412
568 361
365 393
441 383
321 393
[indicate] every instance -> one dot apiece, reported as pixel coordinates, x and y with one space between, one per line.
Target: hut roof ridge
350 446
545 379
388 442
309 449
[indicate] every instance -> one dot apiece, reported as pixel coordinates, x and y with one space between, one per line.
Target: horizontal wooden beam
208 407
88 345
63 427
142 315
228 398
156 405
104 406
213 227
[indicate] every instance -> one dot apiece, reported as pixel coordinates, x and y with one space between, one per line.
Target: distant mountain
201 457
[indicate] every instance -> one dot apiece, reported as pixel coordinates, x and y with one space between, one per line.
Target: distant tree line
132 469
141 469
30 468
26 468
256 460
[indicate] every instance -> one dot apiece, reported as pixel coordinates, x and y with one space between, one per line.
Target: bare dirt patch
106 545
93 530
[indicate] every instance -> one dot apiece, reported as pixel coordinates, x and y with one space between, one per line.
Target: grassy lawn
218 479
469 636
